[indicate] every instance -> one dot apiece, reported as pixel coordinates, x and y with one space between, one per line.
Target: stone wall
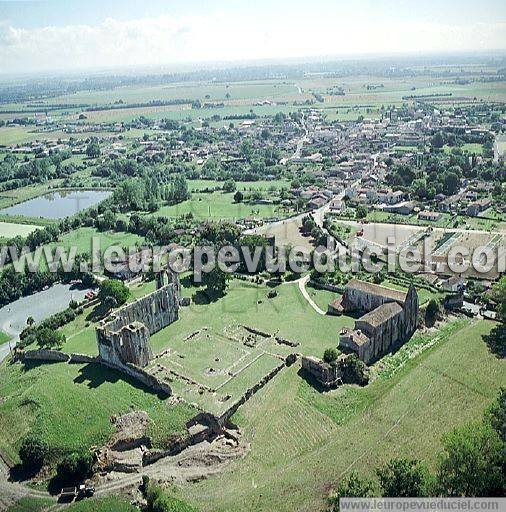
44 354
124 336
249 393
328 375
141 375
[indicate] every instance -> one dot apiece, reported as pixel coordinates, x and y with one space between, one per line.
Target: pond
40 306
58 204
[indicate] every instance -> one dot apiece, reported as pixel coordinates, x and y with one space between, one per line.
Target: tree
361 212
403 478
451 183
49 338
495 416
330 355
75 466
93 149
499 296
438 140
354 371
179 189
33 452
352 487
229 186
30 321
215 281
432 312
114 289
471 464
238 197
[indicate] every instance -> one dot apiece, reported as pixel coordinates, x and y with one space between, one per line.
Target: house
430 216
450 204
336 205
452 284
317 201
390 197
404 208
478 206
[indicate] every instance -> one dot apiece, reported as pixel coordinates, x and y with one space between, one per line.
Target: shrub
355 371
33 452
75 466
330 355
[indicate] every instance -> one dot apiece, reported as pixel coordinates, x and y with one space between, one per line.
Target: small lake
58 204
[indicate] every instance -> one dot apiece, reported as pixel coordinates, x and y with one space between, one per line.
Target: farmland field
303 440
8 230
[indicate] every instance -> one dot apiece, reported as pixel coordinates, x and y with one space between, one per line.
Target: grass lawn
241 185
70 406
219 205
302 440
288 314
111 504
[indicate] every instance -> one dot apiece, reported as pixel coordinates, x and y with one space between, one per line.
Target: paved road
40 305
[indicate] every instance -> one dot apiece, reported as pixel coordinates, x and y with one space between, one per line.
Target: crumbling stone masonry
327 374
124 336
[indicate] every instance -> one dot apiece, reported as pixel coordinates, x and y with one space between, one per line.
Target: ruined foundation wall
124 337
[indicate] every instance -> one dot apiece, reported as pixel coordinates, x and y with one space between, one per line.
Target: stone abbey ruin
124 336
389 318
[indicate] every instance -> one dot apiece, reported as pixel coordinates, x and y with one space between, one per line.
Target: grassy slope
71 406
302 441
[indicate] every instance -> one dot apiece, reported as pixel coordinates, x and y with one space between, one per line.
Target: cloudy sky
79 34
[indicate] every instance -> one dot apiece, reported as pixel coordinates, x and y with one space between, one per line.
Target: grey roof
376 289
381 314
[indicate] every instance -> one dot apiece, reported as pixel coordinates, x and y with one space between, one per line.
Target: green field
218 206
82 240
245 186
302 441
70 406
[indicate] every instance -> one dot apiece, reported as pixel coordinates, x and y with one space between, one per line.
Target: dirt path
11 492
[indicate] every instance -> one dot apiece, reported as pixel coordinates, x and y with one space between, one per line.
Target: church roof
381 314
376 289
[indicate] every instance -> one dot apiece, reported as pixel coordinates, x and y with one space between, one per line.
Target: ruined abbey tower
124 336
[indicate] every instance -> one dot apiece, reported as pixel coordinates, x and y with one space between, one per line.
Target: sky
69 35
